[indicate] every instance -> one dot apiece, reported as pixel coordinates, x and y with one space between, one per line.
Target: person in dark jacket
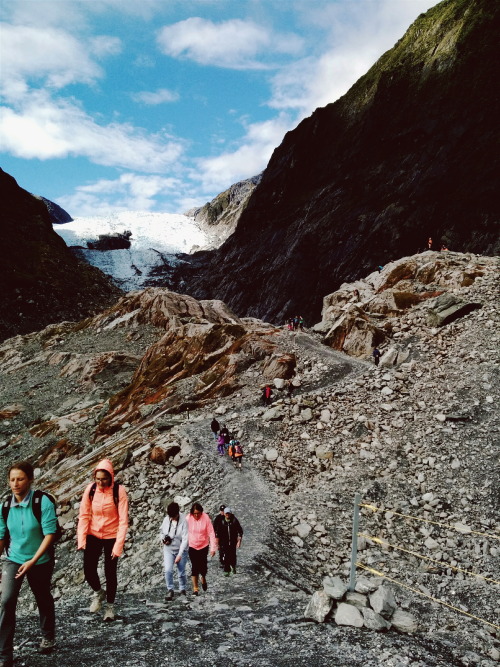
228 535
376 355
217 522
214 427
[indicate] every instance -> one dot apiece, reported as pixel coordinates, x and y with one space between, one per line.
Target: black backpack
36 506
116 492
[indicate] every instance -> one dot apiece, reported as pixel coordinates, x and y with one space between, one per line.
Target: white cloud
43 128
250 158
153 98
30 52
318 80
129 192
233 44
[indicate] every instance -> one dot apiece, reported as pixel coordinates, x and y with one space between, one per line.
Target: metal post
354 547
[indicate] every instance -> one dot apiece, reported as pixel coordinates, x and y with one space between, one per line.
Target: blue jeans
39 580
168 559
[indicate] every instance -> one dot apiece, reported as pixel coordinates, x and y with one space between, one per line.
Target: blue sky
159 105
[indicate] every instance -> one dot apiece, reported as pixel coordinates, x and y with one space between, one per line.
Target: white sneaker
97 600
109 612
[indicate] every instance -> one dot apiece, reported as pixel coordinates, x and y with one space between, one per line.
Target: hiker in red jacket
266 395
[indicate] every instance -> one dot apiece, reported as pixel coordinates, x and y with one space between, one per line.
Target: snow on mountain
155 240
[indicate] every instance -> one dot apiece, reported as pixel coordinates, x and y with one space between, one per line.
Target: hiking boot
170 595
182 592
226 574
97 600
234 570
204 585
47 646
196 592
109 612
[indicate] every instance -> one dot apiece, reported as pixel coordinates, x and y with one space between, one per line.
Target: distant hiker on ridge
266 395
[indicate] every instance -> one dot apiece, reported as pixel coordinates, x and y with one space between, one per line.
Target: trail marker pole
354 546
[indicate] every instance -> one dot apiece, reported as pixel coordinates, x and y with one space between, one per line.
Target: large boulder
447 308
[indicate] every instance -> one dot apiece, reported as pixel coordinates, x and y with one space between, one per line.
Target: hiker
102 526
295 322
26 537
229 534
216 522
267 392
429 243
174 537
221 445
290 323
214 427
237 453
301 323
376 355
225 432
201 536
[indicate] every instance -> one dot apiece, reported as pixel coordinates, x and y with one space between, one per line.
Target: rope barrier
433 560
415 590
436 523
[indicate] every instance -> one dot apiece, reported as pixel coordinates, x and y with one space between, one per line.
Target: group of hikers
295 323
227 443
29 530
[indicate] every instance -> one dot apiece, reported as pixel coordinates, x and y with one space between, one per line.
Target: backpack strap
92 491
116 492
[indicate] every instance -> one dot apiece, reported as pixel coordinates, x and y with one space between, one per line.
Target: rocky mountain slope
416 436
411 151
219 217
58 215
40 280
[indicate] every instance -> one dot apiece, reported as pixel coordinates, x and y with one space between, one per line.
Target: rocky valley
409 152
416 437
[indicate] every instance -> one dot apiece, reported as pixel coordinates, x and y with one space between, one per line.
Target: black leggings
91 555
198 558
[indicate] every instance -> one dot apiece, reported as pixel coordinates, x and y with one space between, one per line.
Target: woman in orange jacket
102 526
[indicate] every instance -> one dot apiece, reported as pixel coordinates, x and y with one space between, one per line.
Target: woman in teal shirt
25 542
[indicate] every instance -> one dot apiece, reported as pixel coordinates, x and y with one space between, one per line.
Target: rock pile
371 605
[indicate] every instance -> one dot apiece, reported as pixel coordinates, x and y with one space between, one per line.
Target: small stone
303 529
346 614
319 607
374 621
334 587
404 621
383 602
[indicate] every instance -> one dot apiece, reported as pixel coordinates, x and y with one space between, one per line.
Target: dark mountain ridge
41 282
411 151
